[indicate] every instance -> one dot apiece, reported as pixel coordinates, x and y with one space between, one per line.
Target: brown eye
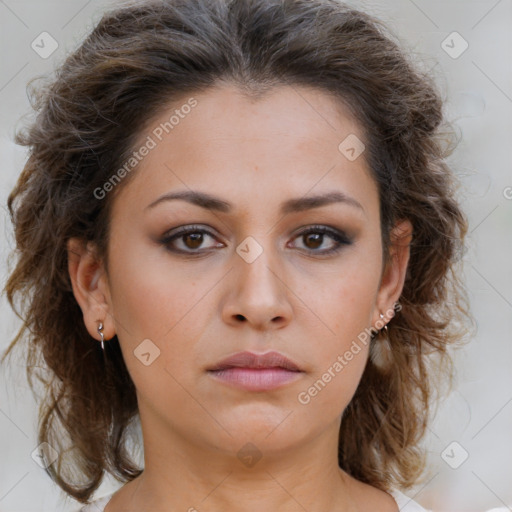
193 240
315 237
189 240
313 240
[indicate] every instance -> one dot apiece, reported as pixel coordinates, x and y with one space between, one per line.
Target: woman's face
247 276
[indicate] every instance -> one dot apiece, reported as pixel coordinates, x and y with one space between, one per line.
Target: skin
199 310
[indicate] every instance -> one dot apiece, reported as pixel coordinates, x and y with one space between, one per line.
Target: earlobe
90 287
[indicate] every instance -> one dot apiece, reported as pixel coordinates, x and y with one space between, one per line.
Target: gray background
477 85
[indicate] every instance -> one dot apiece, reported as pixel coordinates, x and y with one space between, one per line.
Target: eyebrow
210 202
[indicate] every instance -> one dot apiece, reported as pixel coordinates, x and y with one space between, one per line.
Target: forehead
294 113
291 138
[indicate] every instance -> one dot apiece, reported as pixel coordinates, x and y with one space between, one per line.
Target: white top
404 503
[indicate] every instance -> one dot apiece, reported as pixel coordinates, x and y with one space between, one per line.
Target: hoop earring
385 325
380 350
100 332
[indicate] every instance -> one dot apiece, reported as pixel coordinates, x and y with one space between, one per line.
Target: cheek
151 297
343 298
346 307
156 309
339 361
332 388
351 305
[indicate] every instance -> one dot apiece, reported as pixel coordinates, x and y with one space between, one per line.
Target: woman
236 224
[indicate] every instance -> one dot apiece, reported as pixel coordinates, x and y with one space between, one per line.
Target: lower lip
256 379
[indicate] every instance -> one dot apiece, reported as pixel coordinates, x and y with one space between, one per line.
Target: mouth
256 372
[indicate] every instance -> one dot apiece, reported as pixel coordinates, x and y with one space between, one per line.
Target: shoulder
391 501
97 505
368 497
406 504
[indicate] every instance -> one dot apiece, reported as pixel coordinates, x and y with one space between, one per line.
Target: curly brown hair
135 61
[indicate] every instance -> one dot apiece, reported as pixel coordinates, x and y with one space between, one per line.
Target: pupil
197 239
316 237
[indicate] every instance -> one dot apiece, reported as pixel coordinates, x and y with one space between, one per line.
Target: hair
138 59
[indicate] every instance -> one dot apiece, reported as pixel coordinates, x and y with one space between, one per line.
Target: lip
256 372
247 359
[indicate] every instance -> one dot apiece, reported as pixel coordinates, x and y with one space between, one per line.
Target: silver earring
380 351
385 326
100 332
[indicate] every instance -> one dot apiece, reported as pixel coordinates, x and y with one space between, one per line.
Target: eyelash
338 236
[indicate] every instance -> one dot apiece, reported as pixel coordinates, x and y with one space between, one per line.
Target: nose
258 294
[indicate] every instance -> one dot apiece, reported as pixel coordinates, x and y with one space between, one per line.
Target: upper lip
252 360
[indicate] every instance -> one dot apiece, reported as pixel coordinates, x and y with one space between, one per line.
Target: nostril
240 317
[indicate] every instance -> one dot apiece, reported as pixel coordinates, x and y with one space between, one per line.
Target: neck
180 475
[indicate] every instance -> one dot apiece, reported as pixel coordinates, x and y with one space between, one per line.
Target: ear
393 275
90 287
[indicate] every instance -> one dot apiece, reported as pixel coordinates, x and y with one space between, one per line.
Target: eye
314 237
191 238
